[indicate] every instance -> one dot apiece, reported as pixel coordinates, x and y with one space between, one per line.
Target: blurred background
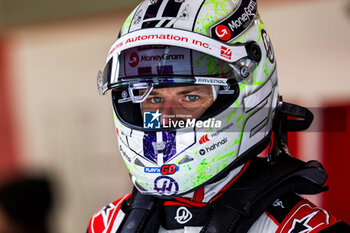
53 123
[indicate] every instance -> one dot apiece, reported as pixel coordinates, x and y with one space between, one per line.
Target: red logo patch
223 32
226 52
168 169
134 59
204 139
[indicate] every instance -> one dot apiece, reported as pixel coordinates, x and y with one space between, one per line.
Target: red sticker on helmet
168 169
204 139
226 52
134 59
223 32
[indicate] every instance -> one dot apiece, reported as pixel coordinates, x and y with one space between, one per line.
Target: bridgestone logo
163 57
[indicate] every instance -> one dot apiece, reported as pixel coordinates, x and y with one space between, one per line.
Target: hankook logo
216 145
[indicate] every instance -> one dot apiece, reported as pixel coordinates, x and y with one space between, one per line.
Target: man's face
179 103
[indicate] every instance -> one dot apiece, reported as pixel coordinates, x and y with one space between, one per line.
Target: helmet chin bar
282 125
140 86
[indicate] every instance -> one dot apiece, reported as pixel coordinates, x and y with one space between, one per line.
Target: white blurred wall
67 128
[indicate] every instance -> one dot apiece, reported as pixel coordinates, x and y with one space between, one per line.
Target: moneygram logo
163 57
233 25
226 52
223 32
134 59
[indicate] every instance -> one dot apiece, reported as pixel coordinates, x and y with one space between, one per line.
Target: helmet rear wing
282 125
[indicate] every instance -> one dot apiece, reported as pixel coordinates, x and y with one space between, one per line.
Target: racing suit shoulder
108 218
288 214
291 213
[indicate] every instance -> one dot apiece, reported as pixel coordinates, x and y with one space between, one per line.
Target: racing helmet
219 49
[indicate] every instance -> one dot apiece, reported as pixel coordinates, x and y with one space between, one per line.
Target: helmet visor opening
161 84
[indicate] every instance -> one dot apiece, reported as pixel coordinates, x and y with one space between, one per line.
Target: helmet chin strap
282 125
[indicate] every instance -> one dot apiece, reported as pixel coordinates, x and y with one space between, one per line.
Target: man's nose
168 111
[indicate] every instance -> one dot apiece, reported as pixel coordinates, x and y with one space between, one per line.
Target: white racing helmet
174 43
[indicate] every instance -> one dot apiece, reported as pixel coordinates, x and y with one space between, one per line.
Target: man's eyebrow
154 92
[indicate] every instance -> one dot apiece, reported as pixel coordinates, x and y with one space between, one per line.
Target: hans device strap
246 199
141 214
238 207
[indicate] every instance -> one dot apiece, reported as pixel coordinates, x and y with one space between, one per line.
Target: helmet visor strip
170 37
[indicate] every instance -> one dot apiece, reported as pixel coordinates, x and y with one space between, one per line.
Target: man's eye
192 98
156 100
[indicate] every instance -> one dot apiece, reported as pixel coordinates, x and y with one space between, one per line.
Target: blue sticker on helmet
166 186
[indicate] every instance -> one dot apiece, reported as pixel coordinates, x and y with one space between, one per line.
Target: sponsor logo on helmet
167 37
125 97
161 37
166 169
166 186
169 169
151 169
223 32
226 52
125 155
216 145
236 23
204 139
163 57
211 81
268 46
226 127
202 152
117 46
227 91
134 59
183 215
